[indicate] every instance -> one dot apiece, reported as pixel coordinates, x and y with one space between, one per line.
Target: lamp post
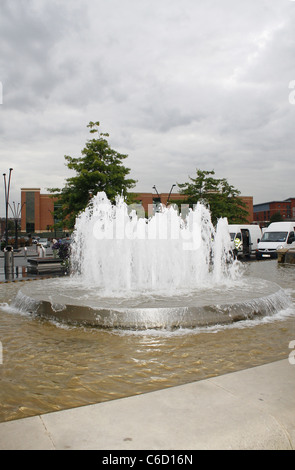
170 193
16 212
154 187
7 190
156 203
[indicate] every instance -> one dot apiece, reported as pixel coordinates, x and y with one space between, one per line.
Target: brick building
248 200
262 213
147 199
39 209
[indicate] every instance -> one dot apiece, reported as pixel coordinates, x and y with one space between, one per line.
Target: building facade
262 213
149 200
38 210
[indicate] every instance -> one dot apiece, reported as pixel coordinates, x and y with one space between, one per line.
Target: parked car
276 236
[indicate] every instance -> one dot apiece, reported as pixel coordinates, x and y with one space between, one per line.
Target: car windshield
274 237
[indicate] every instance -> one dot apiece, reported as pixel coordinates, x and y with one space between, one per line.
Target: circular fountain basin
64 300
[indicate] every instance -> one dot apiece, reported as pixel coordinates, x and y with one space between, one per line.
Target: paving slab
249 409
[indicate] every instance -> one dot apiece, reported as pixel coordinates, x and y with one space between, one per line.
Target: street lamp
154 187
16 212
170 192
7 190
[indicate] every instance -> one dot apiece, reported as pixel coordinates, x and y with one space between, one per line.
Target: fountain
169 271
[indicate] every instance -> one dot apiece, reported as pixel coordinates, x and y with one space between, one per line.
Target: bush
63 250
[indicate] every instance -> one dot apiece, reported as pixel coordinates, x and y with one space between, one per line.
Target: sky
178 85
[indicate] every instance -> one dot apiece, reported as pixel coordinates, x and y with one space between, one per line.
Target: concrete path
250 409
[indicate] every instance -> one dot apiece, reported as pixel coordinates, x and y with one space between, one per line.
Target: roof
273 202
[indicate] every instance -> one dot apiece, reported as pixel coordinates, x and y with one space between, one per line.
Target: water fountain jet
167 271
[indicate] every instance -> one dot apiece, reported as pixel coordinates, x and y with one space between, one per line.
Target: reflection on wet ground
48 366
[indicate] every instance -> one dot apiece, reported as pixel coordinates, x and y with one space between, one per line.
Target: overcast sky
178 85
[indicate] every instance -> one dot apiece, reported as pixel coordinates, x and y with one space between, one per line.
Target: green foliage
98 169
63 249
222 198
276 217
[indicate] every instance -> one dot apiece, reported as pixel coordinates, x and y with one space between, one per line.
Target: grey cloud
178 85
30 34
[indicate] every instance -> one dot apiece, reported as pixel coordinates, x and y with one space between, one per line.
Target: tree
99 168
222 198
276 217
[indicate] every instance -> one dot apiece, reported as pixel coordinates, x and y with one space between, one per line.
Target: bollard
9 262
39 250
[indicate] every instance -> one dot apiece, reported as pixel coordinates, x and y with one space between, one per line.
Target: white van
276 236
245 239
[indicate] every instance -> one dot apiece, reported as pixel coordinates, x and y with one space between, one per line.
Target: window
30 212
274 237
30 227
